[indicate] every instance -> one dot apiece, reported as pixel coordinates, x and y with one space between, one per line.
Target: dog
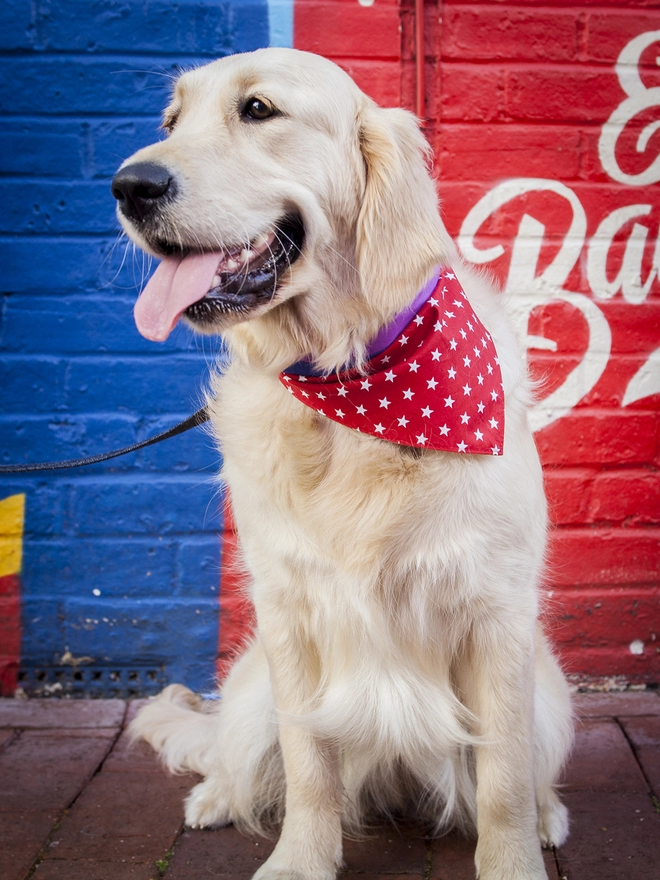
398 663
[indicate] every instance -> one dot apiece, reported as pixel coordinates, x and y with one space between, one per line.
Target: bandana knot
437 384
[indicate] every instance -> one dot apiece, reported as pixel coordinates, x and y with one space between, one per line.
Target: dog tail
175 725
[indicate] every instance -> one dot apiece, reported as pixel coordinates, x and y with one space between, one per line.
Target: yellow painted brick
12 516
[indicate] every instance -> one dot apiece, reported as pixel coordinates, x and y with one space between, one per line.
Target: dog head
281 192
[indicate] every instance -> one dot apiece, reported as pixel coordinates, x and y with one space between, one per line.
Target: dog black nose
139 187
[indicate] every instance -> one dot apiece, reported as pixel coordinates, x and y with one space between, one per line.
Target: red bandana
438 385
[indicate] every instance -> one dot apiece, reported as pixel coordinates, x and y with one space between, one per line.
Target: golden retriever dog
398 663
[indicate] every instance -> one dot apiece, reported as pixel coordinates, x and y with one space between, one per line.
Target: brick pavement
77 804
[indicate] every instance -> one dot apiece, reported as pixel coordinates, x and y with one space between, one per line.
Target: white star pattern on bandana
444 356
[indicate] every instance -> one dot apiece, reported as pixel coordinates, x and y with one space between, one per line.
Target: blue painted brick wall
121 560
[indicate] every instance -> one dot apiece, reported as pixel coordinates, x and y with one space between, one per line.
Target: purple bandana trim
385 336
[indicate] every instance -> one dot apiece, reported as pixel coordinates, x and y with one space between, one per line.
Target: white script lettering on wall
621 240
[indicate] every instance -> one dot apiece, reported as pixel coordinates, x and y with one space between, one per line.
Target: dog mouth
247 277
207 287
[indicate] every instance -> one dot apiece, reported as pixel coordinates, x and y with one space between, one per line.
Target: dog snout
139 188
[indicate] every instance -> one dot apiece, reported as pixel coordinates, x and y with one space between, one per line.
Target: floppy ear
400 236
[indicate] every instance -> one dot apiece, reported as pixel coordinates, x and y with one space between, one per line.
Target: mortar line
650 790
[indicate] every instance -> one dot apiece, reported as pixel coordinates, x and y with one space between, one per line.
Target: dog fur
398 662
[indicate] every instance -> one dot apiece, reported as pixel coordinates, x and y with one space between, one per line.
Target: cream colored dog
398 663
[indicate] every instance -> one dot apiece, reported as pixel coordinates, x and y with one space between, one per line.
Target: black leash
192 421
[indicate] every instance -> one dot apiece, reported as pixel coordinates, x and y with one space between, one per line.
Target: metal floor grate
92 681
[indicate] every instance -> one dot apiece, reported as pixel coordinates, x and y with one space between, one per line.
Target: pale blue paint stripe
280 23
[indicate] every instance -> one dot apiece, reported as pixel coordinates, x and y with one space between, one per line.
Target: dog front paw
265 872
277 874
284 866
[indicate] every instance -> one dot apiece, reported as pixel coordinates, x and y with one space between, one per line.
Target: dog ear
400 236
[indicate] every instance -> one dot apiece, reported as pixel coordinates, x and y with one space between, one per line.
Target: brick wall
517 98
120 561
535 140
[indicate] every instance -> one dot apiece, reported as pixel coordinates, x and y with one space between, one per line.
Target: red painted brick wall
530 92
523 101
364 40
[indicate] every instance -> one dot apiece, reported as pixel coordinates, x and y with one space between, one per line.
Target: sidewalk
77 804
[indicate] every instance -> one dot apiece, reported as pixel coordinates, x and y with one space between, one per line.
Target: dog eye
255 108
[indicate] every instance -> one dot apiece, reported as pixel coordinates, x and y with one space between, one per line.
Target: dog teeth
216 280
232 265
246 255
260 241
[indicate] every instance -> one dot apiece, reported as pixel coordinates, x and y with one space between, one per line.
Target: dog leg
309 847
499 690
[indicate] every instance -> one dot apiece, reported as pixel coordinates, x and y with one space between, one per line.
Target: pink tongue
176 284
